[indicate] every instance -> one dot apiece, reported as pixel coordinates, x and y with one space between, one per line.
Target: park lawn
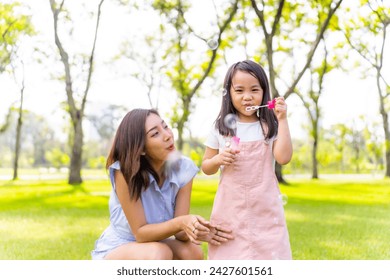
327 220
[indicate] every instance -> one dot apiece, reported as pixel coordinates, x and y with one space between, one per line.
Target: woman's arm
183 199
182 208
135 215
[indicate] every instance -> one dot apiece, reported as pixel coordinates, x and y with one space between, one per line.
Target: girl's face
159 140
245 91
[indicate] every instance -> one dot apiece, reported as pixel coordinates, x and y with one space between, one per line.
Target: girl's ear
143 153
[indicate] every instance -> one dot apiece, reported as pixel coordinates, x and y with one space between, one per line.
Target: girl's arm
143 231
282 148
212 160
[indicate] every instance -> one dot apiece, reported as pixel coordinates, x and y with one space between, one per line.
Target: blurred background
70 70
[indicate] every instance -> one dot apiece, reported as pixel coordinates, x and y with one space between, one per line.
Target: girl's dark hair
127 148
266 116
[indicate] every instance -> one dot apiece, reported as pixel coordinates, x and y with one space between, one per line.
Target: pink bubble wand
233 143
270 105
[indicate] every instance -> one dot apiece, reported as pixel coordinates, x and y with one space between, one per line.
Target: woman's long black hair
128 148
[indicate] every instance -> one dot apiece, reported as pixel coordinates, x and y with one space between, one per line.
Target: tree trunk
180 129
18 136
17 148
278 173
314 174
385 117
76 156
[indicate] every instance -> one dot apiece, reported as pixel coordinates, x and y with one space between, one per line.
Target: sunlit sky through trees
346 95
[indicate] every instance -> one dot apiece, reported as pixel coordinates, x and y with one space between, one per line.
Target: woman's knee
198 253
141 251
159 251
192 252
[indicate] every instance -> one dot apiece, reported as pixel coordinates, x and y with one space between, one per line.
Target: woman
150 203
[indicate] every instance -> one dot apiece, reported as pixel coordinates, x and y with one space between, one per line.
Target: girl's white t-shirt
245 131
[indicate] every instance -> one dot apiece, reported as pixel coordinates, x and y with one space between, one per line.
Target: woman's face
159 140
245 91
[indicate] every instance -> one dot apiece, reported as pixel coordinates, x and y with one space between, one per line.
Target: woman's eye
154 134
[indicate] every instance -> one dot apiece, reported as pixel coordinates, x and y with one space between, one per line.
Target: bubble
224 92
172 162
173 156
230 121
261 7
283 198
213 44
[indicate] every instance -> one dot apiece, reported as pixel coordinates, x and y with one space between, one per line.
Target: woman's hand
194 226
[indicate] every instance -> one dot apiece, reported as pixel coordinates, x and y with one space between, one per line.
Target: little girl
248 200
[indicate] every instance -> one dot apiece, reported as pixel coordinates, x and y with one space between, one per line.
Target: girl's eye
154 134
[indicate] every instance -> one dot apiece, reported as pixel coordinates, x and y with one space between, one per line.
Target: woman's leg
184 250
141 251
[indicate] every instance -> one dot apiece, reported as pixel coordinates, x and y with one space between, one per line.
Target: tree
186 73
13 27
148 64
311 104
75 107
105 124
7 121
366 33
19 125
358 148
374 145
278 20
338 135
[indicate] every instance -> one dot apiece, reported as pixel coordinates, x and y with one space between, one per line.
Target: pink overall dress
248 201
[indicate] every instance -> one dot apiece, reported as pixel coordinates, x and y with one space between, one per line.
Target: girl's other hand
228 156
217 235
280 108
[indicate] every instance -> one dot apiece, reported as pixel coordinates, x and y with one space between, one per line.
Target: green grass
339 220
51 220
327 220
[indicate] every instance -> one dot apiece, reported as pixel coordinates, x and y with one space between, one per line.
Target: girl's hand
280 108
228 156
217 235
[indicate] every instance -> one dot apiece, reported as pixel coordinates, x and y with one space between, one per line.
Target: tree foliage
13 25
366 33
186 69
